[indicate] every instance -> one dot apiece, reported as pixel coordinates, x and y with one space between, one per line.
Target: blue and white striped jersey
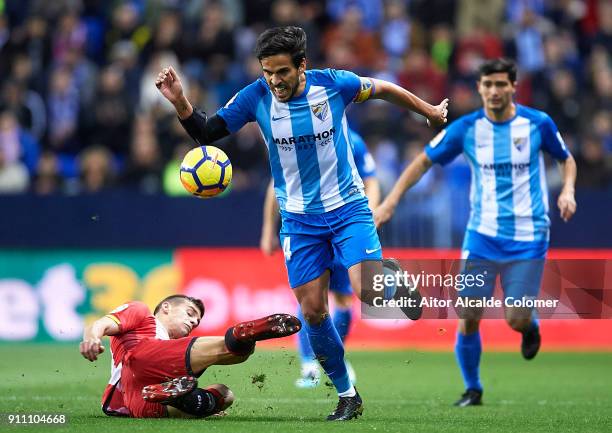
307 138
508 194
366 167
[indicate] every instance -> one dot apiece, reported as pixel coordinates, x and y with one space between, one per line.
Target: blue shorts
311 242
519 265
339 281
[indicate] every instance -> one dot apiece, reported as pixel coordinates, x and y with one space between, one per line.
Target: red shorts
153 361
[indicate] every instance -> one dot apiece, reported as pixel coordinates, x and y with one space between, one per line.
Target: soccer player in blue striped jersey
339 284
301 115
508 228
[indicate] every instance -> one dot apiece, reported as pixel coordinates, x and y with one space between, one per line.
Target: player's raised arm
199 126
91 346
435 114
269 234
566 200
411 175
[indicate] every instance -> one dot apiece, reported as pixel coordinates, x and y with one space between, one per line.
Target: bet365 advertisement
51 295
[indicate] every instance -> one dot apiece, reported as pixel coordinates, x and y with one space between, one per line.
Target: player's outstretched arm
567 201
411 175
169 84
269 240
435 114
91 346
202 129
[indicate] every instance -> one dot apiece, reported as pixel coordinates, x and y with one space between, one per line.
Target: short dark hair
174 298
282 40
494 66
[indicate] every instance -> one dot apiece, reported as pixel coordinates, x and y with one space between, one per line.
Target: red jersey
135 324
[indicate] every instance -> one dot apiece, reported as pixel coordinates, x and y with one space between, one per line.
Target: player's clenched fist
91 348
169 84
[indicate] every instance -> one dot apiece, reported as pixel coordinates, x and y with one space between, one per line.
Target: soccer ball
206 171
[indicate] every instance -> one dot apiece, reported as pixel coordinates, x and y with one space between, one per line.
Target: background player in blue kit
508 229
325 214
339 283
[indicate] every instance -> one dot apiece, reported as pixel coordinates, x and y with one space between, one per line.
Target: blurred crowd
79 112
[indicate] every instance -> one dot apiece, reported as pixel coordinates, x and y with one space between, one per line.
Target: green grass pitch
408 391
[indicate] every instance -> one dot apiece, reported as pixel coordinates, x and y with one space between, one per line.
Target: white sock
348 393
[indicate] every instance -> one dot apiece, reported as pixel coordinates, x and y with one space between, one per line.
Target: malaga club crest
320 110
519 142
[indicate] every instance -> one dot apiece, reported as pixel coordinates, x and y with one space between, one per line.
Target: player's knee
518 318
315 317
314 312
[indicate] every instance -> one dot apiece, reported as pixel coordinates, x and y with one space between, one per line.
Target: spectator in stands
486 14
27 105
63 106
144 165
47 179
594 163
17 145
351 31
14 178
395 32
111 116
96 169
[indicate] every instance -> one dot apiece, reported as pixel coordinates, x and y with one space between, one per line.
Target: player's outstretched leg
273 326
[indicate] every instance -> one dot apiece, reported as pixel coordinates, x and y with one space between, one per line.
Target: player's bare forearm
271 209
91 346
390 92
183 108
372 191
568 173
566 201
410 176
269 242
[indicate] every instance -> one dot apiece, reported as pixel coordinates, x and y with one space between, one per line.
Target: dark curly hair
282 40
494 66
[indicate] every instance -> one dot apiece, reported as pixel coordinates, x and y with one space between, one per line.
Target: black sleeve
204 130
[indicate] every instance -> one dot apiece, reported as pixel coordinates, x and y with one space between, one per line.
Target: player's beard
292 91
